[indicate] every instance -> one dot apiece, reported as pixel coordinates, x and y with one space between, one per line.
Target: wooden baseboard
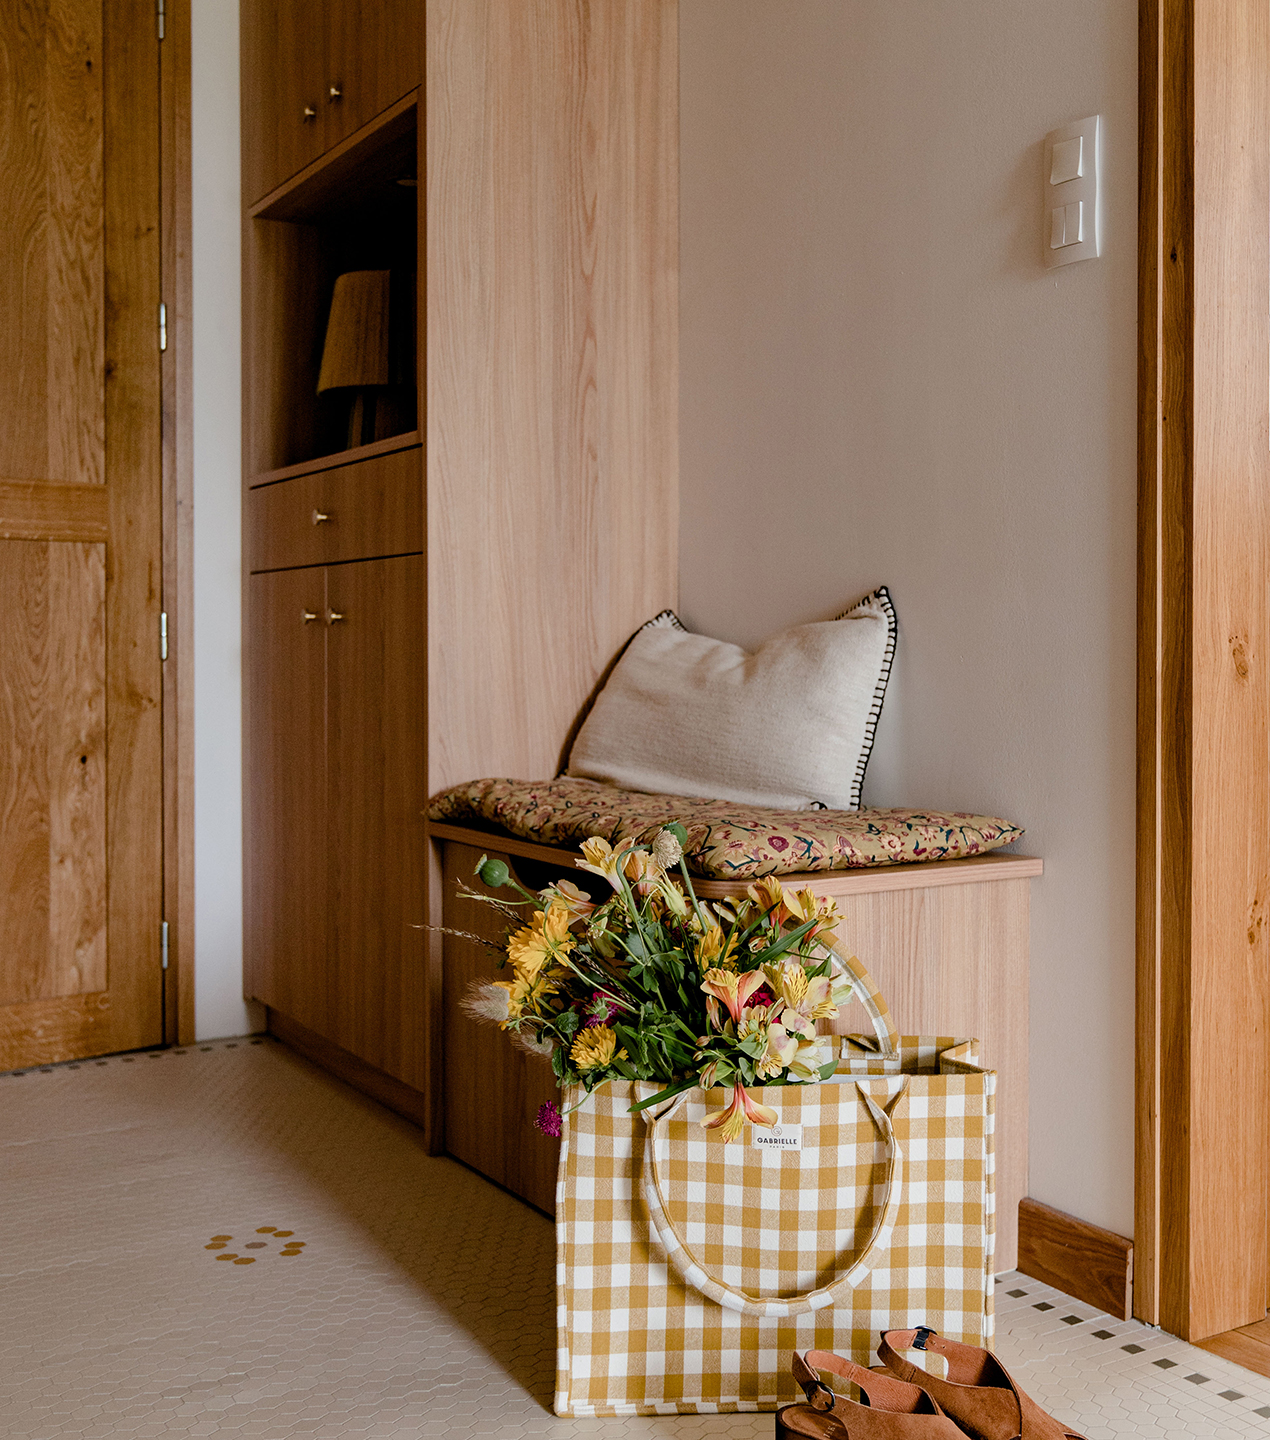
1081 1260
396 1095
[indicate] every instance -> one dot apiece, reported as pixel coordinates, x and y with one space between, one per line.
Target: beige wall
883 384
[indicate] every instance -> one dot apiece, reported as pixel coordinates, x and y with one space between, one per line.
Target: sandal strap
996 1412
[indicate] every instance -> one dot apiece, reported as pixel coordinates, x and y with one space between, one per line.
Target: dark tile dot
1232 1395
1071 1320
128 1059
103 1062
1132 1349
204 1048
46 1070
231 1047
1016 1294
178 1052
155 1055
1044 1305
1264 1412
1197 1379
1103 1335
257 1042
1166 1364
72 1067
254 1245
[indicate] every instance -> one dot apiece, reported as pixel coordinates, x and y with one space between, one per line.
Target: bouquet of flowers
649 983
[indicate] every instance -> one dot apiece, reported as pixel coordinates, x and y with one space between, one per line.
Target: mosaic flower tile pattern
425 1304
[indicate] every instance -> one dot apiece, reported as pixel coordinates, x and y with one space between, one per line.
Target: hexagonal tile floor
147 1202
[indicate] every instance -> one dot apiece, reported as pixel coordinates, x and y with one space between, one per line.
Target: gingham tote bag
687 1269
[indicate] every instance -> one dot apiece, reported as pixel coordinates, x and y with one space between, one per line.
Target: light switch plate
1070 185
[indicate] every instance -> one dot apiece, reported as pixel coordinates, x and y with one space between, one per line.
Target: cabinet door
285 91
376 790
375 52
286 828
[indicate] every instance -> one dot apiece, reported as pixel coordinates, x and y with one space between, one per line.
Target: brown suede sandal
978 1393
889 1409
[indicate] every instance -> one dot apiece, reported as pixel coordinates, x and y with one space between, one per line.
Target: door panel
81 819
376 787
53 801
52 301
286 796
376 57
284 75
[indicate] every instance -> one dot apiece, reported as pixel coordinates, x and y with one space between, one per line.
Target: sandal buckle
922 1335
819 1396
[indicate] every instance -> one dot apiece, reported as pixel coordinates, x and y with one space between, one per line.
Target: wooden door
377 796
285 90
81 839
374 57
286 812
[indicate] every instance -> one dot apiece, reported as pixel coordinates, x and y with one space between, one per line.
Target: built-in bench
946 941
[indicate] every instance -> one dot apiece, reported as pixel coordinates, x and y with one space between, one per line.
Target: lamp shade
356 348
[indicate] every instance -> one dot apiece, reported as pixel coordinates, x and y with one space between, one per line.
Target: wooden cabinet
314 72
335 799
515 521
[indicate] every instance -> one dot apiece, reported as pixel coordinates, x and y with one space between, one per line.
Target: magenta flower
549 1120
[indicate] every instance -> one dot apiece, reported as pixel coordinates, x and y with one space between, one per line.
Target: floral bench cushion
726 841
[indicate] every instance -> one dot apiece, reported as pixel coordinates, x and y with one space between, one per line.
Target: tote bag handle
867 992
754 1306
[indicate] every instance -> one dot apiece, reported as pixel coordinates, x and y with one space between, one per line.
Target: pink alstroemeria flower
733 989
731 1121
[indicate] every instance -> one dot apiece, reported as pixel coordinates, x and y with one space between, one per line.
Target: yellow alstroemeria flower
731 1121
802 905
594 1048
545 938
599 857
713 952
779 1047
769 894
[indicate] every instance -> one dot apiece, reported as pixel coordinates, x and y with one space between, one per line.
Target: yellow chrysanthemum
594 1048
546 938
524 995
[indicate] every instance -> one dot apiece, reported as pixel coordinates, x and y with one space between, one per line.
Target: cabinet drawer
372 508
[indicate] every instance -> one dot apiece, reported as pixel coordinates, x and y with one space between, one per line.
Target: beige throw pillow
790 726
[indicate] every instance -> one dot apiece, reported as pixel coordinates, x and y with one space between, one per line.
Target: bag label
779 1137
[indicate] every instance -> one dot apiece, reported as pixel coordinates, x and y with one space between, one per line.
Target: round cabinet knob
333 615
335 92
320 517
307 617
309 113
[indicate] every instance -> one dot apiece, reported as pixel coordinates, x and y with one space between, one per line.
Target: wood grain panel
1083 1260
375 811
74 693
355 456
134 474
53 776
373 509
1203 1084
287 965
52 275
492 1087
552 364
37 511
44 1032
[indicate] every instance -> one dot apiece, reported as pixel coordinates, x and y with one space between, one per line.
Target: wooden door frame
1203 1067
178 523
